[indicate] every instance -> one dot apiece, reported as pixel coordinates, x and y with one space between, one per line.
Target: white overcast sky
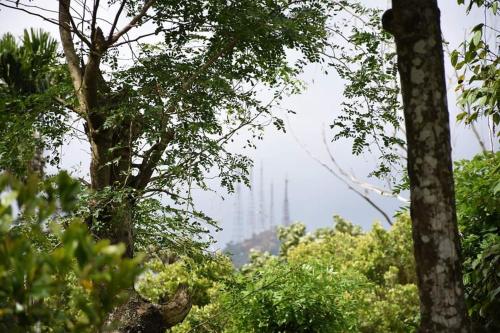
315 195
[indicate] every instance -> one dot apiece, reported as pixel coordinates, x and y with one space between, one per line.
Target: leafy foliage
190 94
365 59
54 277
26 68
165 272
164 227
478 209
478 63
333 280
302 297
202 83
488 4
370 277
30 117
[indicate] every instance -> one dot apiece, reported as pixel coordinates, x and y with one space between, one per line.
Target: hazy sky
314 194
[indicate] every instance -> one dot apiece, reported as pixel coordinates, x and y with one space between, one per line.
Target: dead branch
342 179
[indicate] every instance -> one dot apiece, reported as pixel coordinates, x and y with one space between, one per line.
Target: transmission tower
262 209
238 221
286 206
271 206
251 209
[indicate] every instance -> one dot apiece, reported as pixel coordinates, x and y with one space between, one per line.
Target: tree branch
53 21
187 83
94 19
366 186
76 31
68 46
132 23
153 155
67 105
336 175
151 159
117 17
128 41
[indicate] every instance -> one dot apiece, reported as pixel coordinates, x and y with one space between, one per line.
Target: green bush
333 280
65 282
478 210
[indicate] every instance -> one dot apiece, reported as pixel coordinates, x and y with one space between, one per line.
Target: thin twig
349 186
132 22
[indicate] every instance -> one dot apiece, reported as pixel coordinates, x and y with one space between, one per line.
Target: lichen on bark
415 25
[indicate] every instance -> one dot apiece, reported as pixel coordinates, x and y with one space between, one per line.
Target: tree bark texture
140 316
415 25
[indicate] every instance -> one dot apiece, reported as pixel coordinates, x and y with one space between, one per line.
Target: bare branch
67 105
151 159
343 180
132 22
82 18
68 46
32 6
478 136
94 19
73 25
117 17
84 6
128 41
53 21
362 184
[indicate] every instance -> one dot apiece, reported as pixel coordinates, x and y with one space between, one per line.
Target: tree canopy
157 91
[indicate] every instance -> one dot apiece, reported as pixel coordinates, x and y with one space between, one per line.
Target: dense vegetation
337 279
110 253
341 279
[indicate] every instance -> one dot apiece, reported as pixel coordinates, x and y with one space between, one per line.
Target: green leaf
496 190
454 58
481 101
477 37
461 116
496 119
478 27
460 65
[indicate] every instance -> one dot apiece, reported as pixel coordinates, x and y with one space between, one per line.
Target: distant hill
264 241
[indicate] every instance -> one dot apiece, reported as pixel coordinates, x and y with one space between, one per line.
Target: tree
416 28
158 124
31 120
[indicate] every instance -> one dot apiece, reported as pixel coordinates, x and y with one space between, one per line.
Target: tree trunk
140 316
415 25
110 149
37 163
114 221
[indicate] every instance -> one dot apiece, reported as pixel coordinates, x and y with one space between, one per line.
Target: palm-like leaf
24 67
27 71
